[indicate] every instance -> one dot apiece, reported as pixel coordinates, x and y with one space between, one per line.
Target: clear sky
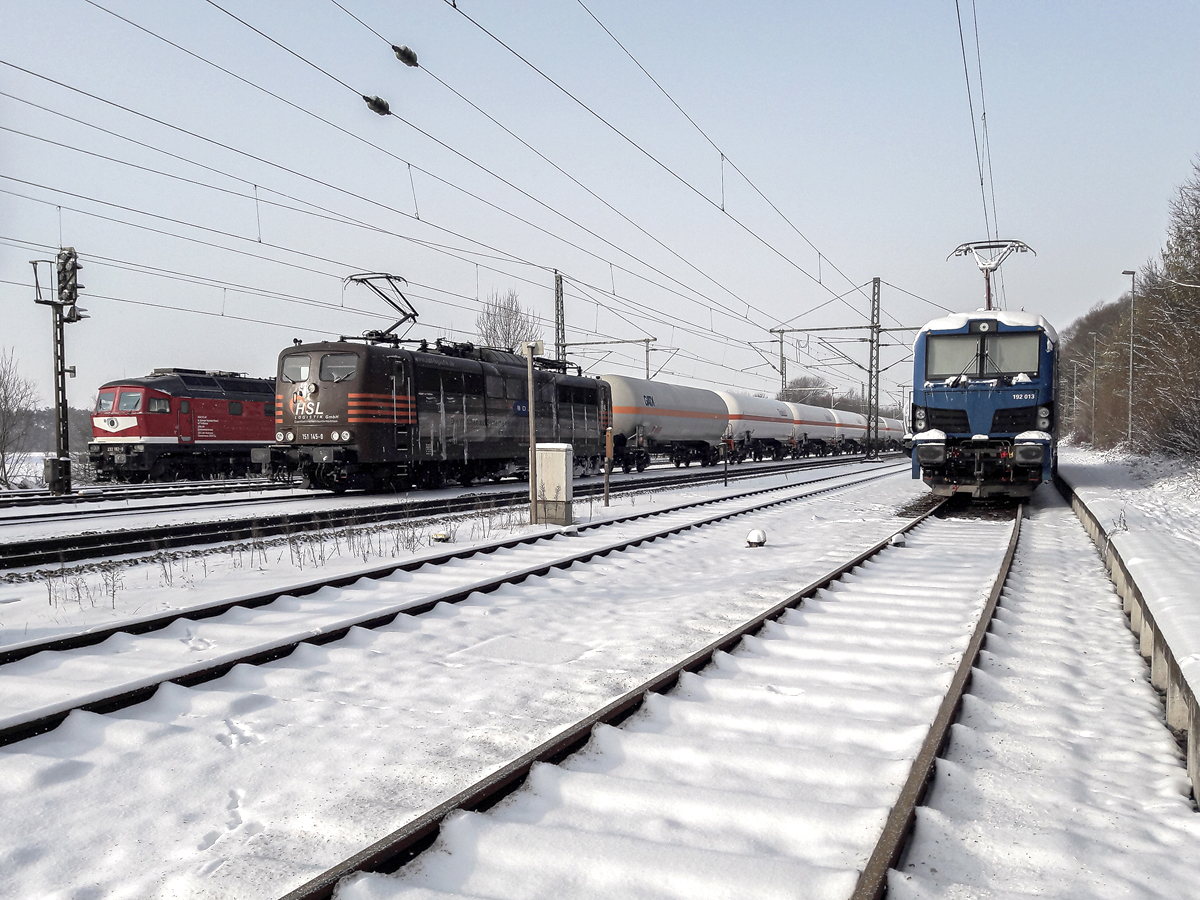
225 231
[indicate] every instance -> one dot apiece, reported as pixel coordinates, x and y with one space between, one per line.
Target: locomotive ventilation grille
951 421
1020 418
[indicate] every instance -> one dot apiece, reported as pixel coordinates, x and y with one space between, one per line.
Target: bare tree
17 399
811 389
504 323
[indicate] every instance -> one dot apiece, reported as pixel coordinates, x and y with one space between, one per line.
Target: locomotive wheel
626 467
641 464
677 464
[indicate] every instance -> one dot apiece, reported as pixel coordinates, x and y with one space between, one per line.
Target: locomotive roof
1015 319
447 353
198 383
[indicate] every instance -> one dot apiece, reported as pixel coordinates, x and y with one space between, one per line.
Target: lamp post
1094 339
1129 393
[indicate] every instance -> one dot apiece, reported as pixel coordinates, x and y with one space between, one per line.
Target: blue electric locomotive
984 418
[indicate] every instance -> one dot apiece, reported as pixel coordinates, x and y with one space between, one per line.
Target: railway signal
57 471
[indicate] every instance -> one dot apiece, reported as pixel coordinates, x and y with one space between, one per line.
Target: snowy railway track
110 492
104 543
791 751
101 670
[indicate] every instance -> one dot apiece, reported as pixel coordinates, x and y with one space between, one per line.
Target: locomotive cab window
295 368
104 403
131 401
185 407
981 355
495 387
951 355
158 405
235 407
1010 354
338 366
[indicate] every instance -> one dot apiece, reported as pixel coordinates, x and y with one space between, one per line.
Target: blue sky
851 118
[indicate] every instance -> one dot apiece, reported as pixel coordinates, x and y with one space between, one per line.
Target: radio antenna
989 255
387 288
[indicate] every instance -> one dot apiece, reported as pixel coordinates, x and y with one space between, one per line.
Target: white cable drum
666 412
757 417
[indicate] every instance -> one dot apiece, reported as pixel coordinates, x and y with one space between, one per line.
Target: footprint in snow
238 735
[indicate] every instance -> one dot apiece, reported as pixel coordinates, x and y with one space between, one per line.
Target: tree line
1160 319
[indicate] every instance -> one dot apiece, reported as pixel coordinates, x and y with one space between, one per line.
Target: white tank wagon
758 426
813 429
851 434
891 433
684 423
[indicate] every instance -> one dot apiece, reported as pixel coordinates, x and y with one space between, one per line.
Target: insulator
405 55
378 105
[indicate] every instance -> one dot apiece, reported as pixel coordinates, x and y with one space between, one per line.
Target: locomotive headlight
289 437
1043 418
345 435
139 448
930 454
333 436
920 418
279 437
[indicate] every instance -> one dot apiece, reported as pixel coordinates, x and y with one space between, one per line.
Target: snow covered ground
37 604
1061 779
253 783
1150 509
770 774
59 680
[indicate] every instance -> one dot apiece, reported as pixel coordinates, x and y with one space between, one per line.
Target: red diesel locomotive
181 423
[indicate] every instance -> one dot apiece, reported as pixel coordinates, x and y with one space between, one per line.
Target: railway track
102 670
793 750
100 493
60 549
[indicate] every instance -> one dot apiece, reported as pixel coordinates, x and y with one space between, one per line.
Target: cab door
185 426
403 408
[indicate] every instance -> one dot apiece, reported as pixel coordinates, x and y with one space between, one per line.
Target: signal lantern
68 276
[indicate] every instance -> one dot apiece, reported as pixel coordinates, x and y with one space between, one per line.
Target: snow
36 604
1151 511
53 681
253 783
774 767
1011 317
1061 779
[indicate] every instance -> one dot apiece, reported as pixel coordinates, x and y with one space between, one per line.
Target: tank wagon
181 423
683 423
758 426
984 413
370 415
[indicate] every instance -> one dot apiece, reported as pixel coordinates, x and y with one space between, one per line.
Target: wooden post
608 459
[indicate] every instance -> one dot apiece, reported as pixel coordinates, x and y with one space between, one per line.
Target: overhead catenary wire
724 157
461 155
500 254
635 310
377 147
699 193
463 237
426 70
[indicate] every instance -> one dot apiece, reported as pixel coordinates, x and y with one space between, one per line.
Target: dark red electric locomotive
181 423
